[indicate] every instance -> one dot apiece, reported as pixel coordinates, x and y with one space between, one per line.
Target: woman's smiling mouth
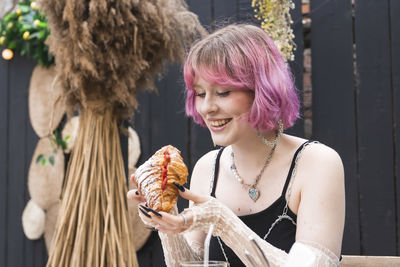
219 123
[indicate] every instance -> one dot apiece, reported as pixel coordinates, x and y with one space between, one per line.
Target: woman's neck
251 151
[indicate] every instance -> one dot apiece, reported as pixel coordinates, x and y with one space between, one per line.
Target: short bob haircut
244 56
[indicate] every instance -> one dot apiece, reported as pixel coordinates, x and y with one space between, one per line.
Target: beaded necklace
253 191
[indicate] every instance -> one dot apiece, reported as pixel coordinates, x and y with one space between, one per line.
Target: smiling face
243 56
224 110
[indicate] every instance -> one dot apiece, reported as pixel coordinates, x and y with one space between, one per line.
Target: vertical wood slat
203 11
225 12
297 66
141 122
17 133
160 118
3 160
375 140
168 123
333 99
395 73
16 174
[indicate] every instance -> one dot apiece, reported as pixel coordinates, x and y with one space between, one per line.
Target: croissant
156 176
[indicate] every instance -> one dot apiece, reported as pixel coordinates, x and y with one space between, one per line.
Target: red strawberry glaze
165 170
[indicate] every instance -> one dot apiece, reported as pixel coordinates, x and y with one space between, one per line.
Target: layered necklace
253 191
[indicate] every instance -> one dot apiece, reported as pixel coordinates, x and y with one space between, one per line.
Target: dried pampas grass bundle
92 226
106 50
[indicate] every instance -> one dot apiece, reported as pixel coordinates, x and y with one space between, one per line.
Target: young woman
286 192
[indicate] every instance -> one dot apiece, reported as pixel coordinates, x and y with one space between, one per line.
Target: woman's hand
140 200
166 222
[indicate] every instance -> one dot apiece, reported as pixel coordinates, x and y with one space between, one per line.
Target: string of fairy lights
25 31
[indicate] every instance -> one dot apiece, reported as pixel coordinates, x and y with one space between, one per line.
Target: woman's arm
321 212
236 235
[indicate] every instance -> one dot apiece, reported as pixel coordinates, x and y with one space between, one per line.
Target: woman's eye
202 95
226 93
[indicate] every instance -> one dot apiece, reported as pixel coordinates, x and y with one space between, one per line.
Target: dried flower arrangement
276 20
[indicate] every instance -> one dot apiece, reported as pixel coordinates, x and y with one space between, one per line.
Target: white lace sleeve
178 247
235 234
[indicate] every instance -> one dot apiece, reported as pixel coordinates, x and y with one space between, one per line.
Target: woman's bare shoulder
318 153
321 164
314 153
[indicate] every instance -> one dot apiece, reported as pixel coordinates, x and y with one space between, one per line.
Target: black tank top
266 223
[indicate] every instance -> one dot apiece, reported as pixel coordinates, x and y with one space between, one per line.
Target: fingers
151 210
144 213
165 222
190 195
134 195
146 218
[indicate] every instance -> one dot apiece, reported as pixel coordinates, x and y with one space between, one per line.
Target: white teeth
218 123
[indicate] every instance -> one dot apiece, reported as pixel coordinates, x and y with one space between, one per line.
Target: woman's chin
219 142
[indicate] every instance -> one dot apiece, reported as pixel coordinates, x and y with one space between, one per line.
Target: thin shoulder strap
292 165
216 170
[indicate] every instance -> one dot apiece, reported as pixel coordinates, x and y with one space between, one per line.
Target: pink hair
243 56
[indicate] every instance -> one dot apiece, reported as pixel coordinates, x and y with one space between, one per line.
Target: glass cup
202 264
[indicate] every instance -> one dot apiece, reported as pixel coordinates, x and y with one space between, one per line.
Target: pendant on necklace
254 194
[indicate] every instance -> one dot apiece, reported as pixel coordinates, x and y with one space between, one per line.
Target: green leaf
63 145
54 151
12 45
67 137
26 27
24 9
44 161
51 160
10 16
39 158
42 25
42 34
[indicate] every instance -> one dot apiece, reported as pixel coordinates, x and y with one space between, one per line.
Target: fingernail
145 213
156 213
145 208
180 187
137 192
151 210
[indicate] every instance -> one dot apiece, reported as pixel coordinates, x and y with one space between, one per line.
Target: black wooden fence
355 109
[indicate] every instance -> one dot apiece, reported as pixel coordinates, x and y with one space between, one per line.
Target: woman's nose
208 105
